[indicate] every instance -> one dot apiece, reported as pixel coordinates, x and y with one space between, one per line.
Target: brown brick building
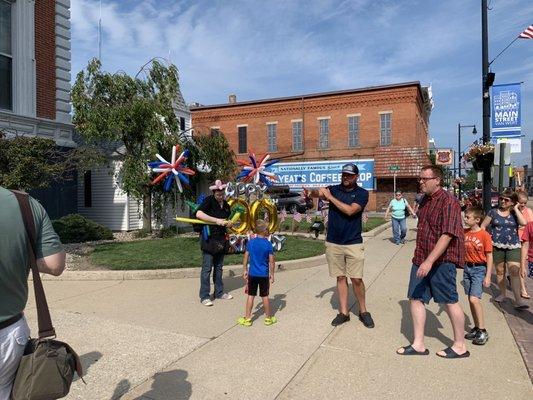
377 127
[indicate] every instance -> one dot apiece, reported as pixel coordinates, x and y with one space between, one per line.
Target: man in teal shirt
14 269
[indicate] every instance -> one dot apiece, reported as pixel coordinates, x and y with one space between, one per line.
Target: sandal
410 351
450 353
243 321
525 296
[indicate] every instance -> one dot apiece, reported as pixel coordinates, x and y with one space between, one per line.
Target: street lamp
459 155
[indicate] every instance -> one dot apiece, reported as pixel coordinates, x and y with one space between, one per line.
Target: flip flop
450 353
525 296
410 351
521 307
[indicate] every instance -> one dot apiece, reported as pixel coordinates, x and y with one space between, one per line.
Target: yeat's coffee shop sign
313 174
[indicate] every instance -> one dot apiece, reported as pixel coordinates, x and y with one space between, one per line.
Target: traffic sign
394 167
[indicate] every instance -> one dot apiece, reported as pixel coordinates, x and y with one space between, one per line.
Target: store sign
506 110
515 144
313 174
444 157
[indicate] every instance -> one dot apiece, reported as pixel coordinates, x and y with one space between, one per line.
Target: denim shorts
473 280
439 284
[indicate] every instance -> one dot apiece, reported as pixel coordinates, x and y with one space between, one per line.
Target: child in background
477 271
527 252
528 215
258 271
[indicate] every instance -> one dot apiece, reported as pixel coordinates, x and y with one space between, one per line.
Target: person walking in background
214 209
258 272
345 251
14 268
477 270
528 216
440 249
400 209
503 223
527 252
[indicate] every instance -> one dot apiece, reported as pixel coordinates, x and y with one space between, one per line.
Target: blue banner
313 174
506 111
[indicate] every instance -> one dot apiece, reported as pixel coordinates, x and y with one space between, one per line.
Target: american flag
308 218
297 216
283 214
528 33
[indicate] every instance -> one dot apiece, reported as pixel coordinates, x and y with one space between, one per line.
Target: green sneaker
270 321
243 321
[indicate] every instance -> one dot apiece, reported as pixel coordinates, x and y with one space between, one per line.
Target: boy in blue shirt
258 273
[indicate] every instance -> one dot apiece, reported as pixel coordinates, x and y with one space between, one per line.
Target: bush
141 233
75 228
168 231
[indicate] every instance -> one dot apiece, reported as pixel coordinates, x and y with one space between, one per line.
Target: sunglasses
506 199
426 179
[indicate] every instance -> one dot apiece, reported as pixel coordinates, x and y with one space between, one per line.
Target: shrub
141 233
168 231
75 228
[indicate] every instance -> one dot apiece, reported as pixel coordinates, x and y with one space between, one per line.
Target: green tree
138 114
35 163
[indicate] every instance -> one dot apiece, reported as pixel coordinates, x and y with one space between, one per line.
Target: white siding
108 201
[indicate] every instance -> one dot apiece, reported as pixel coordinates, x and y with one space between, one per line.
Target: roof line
309 96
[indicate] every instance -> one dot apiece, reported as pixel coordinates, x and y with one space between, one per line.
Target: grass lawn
184 252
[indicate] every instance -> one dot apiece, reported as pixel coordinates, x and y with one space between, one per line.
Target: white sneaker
207 302
226 296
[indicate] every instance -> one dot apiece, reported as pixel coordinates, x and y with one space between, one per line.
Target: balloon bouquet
247 196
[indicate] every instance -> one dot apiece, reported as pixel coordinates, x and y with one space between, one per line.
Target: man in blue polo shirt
345 251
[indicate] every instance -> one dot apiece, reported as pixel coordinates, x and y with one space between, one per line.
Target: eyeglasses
426 179
506 199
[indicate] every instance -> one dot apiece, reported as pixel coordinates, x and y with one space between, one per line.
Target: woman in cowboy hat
217 210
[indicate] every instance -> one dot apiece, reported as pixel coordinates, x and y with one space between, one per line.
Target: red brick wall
409 129
45 52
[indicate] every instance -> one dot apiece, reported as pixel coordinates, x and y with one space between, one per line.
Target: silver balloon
250 188
230 190
240 188
278 241
261 189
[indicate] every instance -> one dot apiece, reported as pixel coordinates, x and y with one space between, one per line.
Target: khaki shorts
345 259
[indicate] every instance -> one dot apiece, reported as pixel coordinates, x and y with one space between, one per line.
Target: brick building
35 81
377 127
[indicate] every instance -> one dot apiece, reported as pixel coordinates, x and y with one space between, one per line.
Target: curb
182 273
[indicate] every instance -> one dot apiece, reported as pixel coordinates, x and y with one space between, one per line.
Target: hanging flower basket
483 160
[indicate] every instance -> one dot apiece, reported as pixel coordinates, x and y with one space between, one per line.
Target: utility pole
485 85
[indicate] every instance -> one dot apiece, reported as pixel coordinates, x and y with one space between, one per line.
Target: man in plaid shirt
439 251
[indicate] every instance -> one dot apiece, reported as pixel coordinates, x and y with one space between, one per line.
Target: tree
35 163
138 115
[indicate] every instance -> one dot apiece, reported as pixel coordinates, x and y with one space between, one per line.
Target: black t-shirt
211 207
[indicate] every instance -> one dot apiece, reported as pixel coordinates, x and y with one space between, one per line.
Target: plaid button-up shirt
439 214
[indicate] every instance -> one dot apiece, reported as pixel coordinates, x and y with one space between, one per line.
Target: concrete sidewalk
153 340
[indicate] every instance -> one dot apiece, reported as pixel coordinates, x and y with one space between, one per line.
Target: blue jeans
473 280
211 262
399 229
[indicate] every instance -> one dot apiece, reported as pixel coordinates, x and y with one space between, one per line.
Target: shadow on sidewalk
87 360
169 385
277 303
233 283
334 299
122 388
432 325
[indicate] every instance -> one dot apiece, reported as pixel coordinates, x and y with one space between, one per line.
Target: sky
264 49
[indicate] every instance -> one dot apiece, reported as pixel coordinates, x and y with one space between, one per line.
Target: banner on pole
515 144
506 111
444 157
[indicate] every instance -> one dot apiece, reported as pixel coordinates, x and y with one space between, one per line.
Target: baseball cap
350 169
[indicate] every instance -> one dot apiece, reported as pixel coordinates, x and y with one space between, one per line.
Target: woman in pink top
528 215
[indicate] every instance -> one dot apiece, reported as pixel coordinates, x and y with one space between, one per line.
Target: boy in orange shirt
477 270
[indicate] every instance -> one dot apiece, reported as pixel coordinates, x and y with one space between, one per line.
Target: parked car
292 202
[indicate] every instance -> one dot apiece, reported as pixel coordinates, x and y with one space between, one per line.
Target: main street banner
313 174
506 111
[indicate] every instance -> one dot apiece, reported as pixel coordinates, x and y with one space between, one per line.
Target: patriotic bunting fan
257 170
174 171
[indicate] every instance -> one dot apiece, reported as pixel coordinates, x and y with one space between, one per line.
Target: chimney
232 98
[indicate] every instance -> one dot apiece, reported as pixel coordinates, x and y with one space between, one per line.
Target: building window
215 131
353 131
87 189
182 124
243 142
323 133
297 139
272 137
385 129
6 58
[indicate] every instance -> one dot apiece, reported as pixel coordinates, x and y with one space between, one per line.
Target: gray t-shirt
14 266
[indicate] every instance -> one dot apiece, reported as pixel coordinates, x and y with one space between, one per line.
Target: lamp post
459 155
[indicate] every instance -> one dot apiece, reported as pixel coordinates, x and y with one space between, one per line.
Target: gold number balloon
247 220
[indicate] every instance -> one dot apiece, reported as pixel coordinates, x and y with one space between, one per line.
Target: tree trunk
147 211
